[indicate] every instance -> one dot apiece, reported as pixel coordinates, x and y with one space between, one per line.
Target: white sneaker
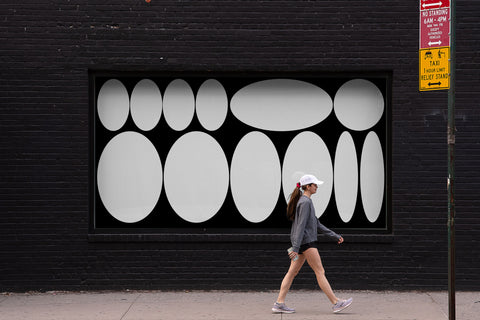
282 308
341 304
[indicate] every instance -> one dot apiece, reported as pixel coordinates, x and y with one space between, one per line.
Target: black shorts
306 246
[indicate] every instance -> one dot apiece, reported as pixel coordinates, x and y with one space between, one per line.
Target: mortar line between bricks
131 305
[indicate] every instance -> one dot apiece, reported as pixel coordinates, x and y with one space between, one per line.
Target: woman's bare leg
313 258
295 267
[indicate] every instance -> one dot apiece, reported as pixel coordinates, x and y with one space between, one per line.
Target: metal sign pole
451 169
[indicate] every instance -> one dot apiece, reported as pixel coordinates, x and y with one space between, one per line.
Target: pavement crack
3 299
131 305
436 303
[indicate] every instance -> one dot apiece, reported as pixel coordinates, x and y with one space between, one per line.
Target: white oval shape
129 177
281 105
196 177
113 104
255 177
345 177
211 104
178 104
308 154
372 176
358 104
146 104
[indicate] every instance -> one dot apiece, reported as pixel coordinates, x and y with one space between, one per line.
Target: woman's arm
298 227
329 233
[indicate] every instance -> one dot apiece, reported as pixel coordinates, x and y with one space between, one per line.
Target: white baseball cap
308 179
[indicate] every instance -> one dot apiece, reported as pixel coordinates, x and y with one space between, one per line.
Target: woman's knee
296 267
293 272
320 271
316 263
317 268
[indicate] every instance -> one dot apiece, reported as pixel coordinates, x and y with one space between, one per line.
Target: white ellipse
178 104
196 177
372 176
345 177
146 104
358 104
255 177
113 104
281 105
211 104
308 154
129 177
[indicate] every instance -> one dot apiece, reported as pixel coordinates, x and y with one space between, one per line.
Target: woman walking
303 236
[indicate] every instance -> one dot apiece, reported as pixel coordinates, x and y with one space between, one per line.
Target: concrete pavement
225 305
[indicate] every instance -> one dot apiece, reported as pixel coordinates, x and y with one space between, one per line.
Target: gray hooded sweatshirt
305 227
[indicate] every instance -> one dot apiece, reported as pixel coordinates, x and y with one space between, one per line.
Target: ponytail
292 202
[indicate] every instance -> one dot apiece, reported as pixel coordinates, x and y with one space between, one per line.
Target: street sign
434 4
435 28
434 45
434 69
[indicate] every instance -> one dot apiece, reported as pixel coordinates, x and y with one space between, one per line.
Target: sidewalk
146 305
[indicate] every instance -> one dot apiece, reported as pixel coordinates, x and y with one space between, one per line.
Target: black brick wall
47 49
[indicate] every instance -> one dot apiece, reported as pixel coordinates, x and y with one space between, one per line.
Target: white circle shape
358 104
372 176
129 177
178 104
211 104
113 104
308 154
146 104
255 177
345 177
281 105
196 177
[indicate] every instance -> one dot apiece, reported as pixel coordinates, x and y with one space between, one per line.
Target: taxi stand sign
434 70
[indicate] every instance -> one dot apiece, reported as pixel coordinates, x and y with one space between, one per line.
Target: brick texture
48 48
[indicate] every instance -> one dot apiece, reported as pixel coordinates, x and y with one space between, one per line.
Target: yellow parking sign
434 69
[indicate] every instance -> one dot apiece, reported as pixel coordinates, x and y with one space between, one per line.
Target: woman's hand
340 240
293 255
